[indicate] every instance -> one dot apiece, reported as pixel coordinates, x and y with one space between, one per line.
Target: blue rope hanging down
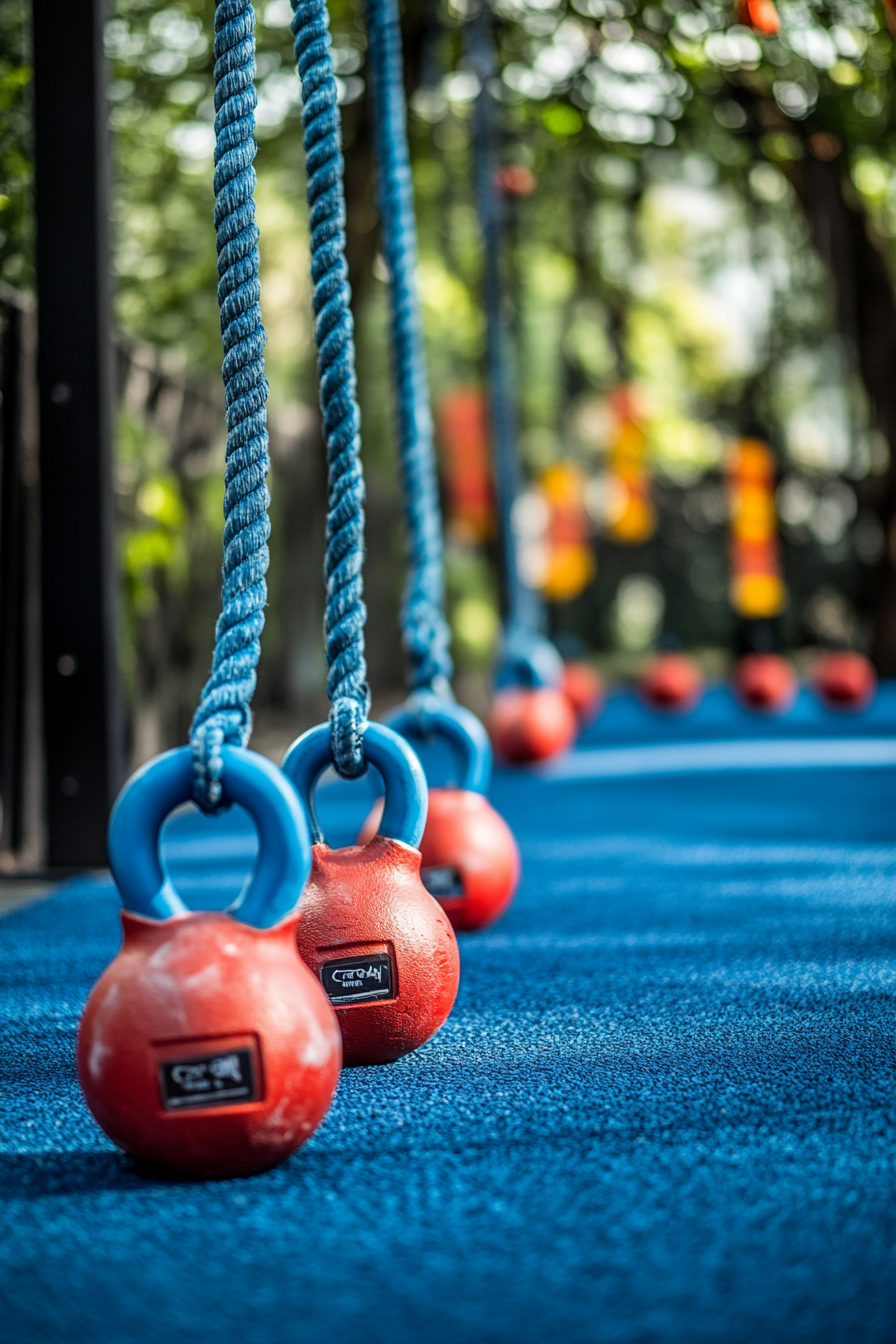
524 607
333 333
425 631
223 715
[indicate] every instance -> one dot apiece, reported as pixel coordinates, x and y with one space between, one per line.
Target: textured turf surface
663 1109
719 714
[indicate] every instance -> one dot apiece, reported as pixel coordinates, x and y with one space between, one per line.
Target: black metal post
82 729
12 582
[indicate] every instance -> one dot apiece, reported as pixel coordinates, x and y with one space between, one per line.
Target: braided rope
223 715
333 333
524 607
425 632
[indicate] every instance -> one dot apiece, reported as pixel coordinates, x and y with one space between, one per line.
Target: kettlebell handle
426 716
284 848
407 797
527 659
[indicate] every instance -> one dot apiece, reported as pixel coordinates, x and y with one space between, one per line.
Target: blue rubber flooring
719 714
662 1110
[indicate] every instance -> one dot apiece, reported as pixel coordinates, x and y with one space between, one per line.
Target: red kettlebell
584 690
531 723
671 682
845 680
380 945
207 1049
470 859
766 682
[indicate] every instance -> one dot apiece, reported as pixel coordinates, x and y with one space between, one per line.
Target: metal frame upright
82 727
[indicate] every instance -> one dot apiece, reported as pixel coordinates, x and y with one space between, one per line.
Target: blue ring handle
529 660
284 848
424 716
407 797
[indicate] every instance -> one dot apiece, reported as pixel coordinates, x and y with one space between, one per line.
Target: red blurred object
245 1083
760 15
845 680
372 933
584 690
766 682
531 723
890 15
471 864
672 681
515 180
462 424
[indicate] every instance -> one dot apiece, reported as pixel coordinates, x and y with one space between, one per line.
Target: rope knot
208 765
348 724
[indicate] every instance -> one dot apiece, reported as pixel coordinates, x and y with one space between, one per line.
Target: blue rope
425 632
333 332
524 607
223 715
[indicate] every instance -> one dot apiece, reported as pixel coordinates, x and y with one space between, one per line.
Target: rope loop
425 633
334 335
223 716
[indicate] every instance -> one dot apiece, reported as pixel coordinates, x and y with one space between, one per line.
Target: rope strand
333 332
223 715
523 606
425 633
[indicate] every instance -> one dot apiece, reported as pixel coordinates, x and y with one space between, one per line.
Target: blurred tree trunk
866 316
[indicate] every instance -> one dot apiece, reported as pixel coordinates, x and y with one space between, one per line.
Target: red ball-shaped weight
207 1049
383 949
470 860
766 682
531 723
845 680
672 682
584 690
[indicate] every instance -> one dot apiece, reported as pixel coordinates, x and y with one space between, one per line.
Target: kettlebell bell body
531 718
376 940
207 1049
531 723
672 683
584 690
845 680
766 683
470 859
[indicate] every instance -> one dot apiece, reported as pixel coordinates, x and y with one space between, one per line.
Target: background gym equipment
671 682
531 718
470 860
845 680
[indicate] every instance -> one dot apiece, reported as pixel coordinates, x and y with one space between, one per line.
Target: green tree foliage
687 172
15 145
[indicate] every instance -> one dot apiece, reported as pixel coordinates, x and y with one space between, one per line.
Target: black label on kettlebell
442 882
207 1080
358 979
